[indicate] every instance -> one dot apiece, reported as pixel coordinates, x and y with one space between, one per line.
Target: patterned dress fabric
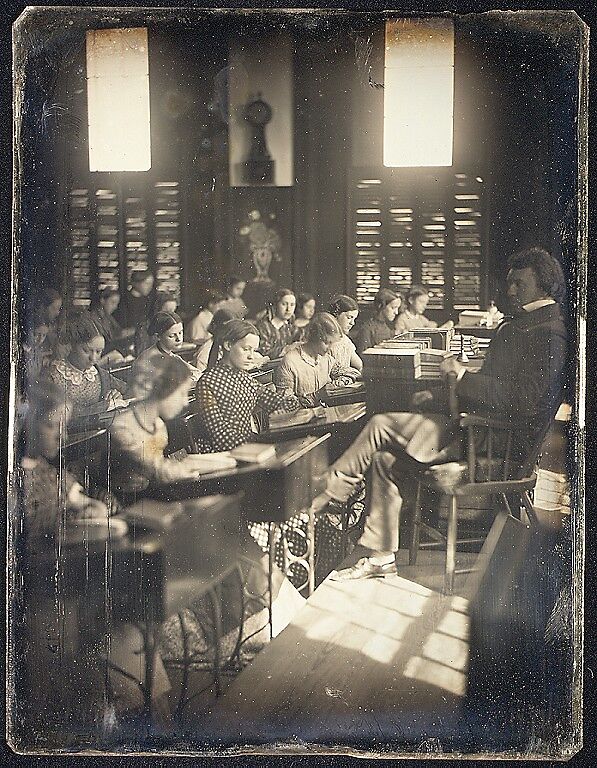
82 388
272 339
343 350
226 400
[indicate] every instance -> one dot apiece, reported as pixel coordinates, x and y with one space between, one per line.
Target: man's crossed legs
390 444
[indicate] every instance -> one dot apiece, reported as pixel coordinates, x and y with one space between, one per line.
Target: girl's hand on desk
114 399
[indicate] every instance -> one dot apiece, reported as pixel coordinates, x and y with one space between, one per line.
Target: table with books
394 370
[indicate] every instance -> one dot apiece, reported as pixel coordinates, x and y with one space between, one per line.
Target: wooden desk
275 490
385 396
350 664
79 440
346 396
480 331
141 578
332 420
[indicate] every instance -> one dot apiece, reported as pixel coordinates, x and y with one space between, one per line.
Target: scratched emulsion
344 649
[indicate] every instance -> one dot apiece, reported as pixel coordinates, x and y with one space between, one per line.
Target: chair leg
530 509
451 539
416 530
271 564
216 606
507 504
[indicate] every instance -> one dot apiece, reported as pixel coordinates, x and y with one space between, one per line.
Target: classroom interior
330 154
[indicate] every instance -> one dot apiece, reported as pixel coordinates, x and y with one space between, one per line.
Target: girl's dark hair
81 328
232 331
384 297
211 295
233 280
159 377
302 299
221 317
108 292
415 291
322 327
47 296
139 275
158 301
104 294
276 298
161 322
341 303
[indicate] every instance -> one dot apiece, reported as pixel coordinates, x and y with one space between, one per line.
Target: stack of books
552 492
470 318
391 364
472 345
254 453
403 342
439 338
431 359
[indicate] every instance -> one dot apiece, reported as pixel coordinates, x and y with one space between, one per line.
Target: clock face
258 112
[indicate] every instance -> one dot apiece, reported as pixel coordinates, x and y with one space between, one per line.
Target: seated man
520 381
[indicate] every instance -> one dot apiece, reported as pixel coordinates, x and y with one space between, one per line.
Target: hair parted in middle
384 297
322 327
162 322
341 303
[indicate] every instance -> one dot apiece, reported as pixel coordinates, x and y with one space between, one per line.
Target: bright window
418 93
118 100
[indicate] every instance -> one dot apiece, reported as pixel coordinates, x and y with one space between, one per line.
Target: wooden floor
380 661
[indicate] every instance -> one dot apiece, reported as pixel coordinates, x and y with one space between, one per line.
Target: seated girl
235 287
37 354
165 328
49 313
277 330
305 309
141 471
227 398
87 386
413 316
380 327
211 352
197 329
160 302
309 367
346 310
117 346
139 435
49 498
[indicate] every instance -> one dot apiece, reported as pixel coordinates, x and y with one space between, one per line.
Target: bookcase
118 226
418 226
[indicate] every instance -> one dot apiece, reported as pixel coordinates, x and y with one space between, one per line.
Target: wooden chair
490 470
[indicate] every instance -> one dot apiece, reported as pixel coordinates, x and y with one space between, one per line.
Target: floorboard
377 661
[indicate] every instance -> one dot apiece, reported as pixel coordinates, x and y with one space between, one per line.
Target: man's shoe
363 569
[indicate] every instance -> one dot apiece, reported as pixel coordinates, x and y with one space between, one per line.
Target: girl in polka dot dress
227 398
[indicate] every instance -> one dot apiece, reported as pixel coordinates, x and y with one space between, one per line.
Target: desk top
331 419
287 452
480 331
83 437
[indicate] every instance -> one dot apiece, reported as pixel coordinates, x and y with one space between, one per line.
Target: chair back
493 451
194 432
